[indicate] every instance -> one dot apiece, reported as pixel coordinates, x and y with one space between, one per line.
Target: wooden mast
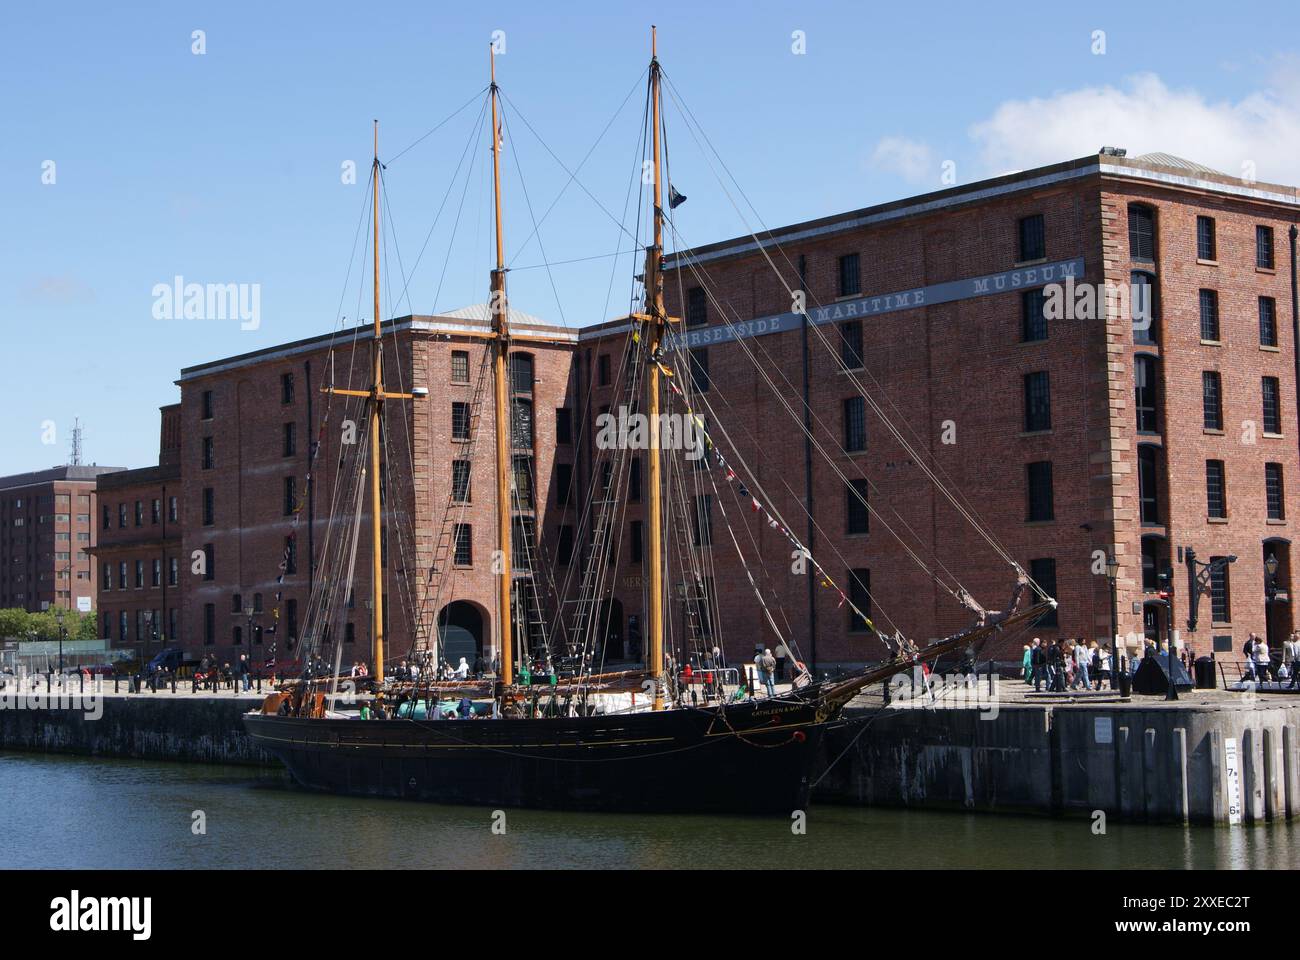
375 397
654 290
500 311
377 391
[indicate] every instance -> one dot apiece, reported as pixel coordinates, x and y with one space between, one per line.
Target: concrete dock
1213 756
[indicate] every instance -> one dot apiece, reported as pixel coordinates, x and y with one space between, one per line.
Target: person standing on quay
769 672
1038 658
1027 665
243 671
1081 657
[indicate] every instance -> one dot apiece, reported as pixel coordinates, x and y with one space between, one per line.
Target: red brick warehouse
1071 438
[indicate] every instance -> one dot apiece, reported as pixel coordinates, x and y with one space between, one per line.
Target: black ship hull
755 757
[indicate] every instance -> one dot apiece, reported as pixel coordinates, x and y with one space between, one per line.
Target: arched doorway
1153 623
1278 616
460 632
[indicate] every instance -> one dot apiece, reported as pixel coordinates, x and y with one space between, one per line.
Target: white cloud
62 289
1143 115
910 159
1146 116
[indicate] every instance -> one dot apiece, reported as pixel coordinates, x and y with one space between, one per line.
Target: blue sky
226 167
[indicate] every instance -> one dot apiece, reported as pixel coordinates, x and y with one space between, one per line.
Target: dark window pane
1145 393
1220 591
1043 572
1041 505
1264 247
1141 232
855 425
1274 491
1209 315
1148 483
1212 400
1038 402
1144 306
1033 246
699 360
856 507
850 280
459 420
1267 322
459 366
697 307
860 598
1205 238
1033 316
851 344
1215 493
1272 405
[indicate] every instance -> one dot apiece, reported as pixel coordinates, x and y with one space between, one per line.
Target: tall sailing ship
548 725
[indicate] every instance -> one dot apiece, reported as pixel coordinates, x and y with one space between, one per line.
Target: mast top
653 41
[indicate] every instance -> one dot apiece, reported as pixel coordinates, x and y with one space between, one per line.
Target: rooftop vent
1113 152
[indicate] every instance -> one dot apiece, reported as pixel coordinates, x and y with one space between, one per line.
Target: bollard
259 683
115 683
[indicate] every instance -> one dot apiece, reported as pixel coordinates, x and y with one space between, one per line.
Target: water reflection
76 813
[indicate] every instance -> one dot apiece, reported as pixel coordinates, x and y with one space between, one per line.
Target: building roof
1151 167
65 472
140 475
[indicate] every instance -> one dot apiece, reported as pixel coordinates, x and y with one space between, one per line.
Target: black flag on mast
675 199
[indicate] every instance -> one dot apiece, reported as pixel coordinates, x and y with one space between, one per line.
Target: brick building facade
141 582
47 532
1072 436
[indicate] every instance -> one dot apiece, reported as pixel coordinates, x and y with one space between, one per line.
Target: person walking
769 672
1291 658
1027 665
1038 658
243 671
1248 650
1081 658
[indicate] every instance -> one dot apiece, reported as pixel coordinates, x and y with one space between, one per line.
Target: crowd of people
1070 663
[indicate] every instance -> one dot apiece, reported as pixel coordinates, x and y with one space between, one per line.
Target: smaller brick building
140 586
47 533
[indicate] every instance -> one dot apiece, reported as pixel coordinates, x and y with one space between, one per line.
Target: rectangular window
1033 316
1210 315
291 553
1038 402
172 624
851 344
521 423
286 388
858 517
1216 495
460 481
209 562
1212 400
108 517
139 513
123 626
155 573
1145 307
703 520
850 278
855 425
1145 393
290 439
697 307
155 510
173 509
700 368
564 545
206 413
209 508
1033 244
460 366
1267 322
459 420
1039 480
637 541
563 483
523 481
1141 233
290 495
173 571
1272 405
291 620
208 458
563 425
1220 591
121 575
1264 247
1043 572
634 481
1274 491
1205 238
860 600
121 516
139 574
1149 483
107 576
603 375
464 539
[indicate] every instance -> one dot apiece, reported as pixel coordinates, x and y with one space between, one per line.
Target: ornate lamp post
1112 574
58 616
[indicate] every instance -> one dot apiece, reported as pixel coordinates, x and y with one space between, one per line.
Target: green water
71 812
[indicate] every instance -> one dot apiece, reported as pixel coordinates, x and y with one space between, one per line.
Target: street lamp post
249 611
1112 574
58 616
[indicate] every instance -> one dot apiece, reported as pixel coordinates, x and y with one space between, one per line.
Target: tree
14 623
